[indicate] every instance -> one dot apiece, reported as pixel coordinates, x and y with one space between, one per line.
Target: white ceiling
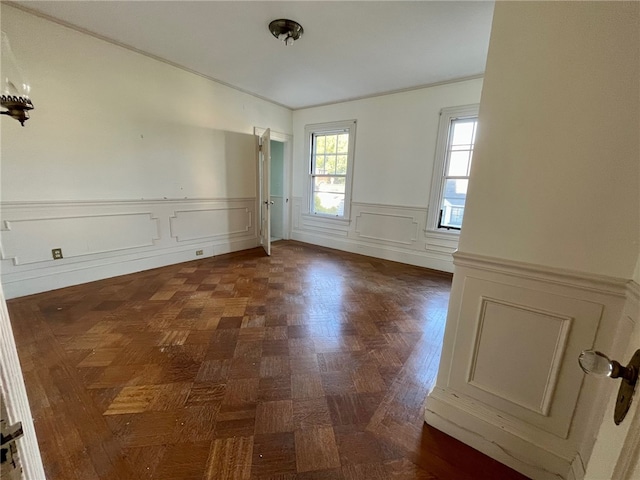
348 50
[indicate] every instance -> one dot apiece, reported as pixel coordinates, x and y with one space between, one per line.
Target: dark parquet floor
309 364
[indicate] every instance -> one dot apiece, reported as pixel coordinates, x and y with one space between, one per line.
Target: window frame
447 116
348 126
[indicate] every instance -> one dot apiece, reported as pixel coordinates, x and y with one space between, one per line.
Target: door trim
287 180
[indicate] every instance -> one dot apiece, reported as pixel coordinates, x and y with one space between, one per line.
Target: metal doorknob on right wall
598 364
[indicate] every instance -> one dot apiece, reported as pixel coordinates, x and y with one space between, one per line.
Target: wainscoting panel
23 240
439 243
536 340
510 348
385 227
101 239
210 223
509 382
392 232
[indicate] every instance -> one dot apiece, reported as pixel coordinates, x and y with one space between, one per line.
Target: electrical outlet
56 253
199 252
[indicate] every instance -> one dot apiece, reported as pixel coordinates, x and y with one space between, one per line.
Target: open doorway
277 191
279 184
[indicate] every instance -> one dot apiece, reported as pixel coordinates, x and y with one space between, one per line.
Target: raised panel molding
30 240
188 225
509 383
386 227
102 239
378 230
439 243
521 386
530 333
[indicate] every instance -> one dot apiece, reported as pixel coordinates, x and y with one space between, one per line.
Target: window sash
452 203
454 155
330 164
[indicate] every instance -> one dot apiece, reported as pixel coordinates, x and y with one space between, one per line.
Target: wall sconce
598 364
286 30
14 95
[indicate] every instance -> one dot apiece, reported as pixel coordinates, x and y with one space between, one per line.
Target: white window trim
309 130
437 183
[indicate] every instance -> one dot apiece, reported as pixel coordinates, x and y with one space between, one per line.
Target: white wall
556 166
393 164
550 241
112 127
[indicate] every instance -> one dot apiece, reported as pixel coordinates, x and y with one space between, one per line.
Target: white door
265 191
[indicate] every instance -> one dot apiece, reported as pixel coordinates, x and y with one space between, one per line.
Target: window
330 148
454 152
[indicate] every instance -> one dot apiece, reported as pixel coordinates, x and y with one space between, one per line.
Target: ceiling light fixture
286 30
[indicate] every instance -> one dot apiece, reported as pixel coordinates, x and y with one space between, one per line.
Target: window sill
443 233
343 221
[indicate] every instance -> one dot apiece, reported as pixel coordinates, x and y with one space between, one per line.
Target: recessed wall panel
31 240
210 223
387 227
518 352
516 349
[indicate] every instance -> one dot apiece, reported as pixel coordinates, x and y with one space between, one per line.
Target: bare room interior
320 240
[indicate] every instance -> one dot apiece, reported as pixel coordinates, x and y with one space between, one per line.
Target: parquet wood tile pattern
309 364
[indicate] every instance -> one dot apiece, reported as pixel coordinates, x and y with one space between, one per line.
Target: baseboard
385 252
491 436
36 281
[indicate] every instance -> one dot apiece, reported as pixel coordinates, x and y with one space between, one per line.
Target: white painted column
550 238
13 390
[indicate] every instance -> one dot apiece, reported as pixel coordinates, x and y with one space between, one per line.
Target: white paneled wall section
392 232
127 163
509 374
108 238
393 165
545 266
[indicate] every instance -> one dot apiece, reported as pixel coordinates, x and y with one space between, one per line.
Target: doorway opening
274 159
278 197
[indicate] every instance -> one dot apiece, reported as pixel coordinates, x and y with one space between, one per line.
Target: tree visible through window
331 152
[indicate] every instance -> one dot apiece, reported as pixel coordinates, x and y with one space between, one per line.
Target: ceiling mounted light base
286 30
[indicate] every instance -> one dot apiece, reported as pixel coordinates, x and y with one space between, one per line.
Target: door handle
267 202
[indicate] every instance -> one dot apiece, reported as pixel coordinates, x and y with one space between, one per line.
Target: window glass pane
343 143
328 195
330 165
319 143
341 165
462 132
455 194
320 168
328 204
330 146
458 164
329 184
